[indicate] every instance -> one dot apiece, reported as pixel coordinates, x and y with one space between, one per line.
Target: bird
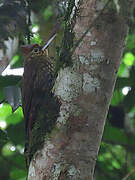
40 106
37 82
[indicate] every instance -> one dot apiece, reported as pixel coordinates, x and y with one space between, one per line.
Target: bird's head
27 49
34 50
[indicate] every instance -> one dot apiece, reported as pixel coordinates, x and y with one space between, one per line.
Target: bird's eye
35 50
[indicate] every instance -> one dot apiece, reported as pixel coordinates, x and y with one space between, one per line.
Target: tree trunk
5 58
84 88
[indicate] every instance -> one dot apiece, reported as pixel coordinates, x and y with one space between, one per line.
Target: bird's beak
49 41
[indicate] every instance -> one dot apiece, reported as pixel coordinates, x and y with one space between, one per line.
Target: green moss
64 55
53 132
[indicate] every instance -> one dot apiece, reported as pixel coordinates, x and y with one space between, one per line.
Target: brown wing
37 83
27 90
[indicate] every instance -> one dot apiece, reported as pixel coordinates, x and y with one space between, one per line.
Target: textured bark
5 58
85 90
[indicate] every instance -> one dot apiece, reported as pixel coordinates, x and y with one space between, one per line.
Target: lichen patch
90 83
68 84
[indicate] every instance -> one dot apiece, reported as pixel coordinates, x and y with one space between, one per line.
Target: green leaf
14 60
48 13
16 133
18 174
117 97
130 45
112 134
16 117
129 59
5 110
6 150
123 71
36 39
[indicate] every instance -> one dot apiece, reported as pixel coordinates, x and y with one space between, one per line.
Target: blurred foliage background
116 158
